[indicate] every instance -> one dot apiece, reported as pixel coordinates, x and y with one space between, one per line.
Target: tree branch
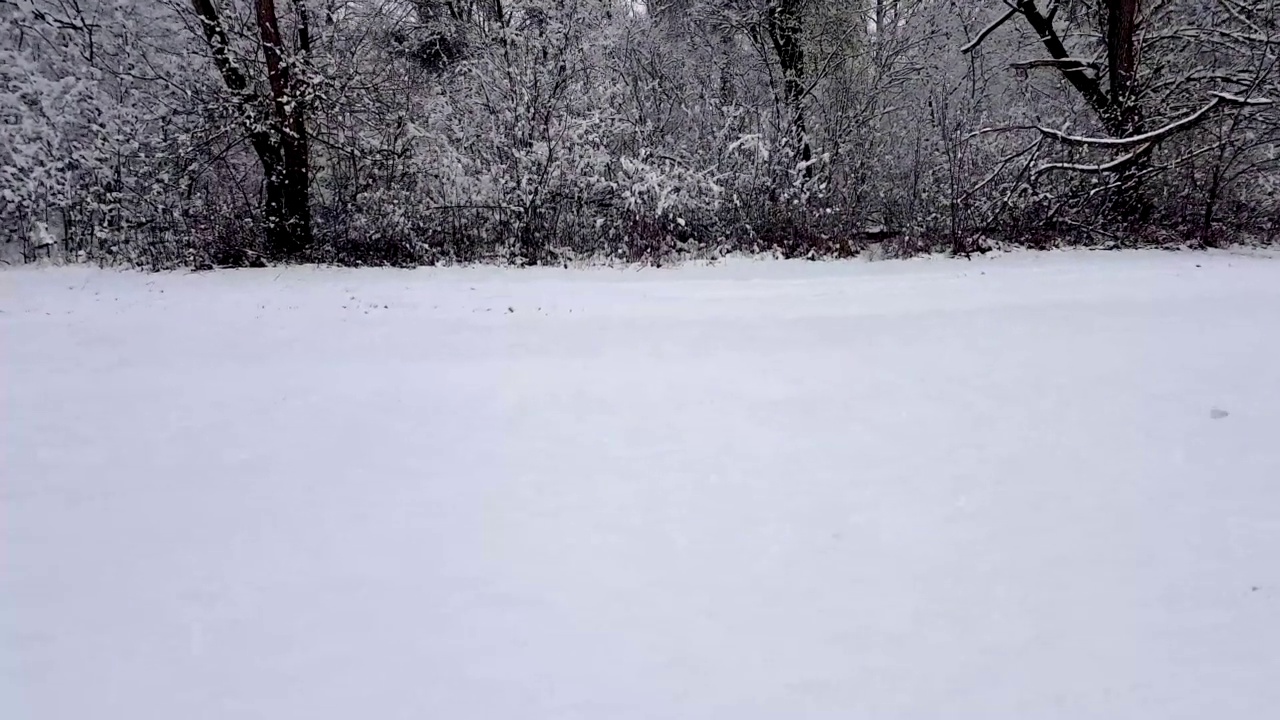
973 44
1219 99
1087 86
216 36
1065 65
1117 164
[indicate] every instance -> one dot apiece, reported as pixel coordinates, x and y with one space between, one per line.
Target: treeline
237 132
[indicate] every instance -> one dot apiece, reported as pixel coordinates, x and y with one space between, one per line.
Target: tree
784 22
276 124
1116 110
1134 131
405 131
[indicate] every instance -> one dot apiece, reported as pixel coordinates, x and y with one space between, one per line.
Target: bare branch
1115 165
1003 164
1233 99
1066 65
215 35
993 130
1219 98
973 44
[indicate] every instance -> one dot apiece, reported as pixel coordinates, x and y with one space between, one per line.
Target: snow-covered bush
544 131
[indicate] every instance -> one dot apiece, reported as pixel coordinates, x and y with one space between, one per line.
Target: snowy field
1022 487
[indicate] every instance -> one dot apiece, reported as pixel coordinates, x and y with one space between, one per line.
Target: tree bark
1122 58
1084 83
1123 110
276 128
786 30
289 221
1116 107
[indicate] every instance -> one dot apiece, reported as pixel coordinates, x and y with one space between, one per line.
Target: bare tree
405 131
1132 129
277 123
784 22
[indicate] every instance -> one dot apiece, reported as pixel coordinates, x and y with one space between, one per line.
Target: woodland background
164 133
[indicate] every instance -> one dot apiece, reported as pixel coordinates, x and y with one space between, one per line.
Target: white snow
1033 486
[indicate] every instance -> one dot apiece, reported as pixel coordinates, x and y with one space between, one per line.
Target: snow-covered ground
1026 487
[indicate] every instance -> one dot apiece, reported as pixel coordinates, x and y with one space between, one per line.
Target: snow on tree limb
1219 98
973 44
1115 165
1085 84
1143 144
1065 65
1241 100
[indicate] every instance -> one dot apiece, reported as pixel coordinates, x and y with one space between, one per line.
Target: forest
211 133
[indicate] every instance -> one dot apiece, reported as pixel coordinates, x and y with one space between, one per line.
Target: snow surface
1034 486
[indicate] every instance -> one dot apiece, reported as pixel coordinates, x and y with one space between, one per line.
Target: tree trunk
786 33
1124 115
289 216
1084 83
1122 59
278 134
1117 107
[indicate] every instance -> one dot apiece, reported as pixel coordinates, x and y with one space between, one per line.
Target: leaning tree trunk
1118 106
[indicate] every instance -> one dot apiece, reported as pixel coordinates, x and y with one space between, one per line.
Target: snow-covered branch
1115 165
1066 65
986 31
1219 99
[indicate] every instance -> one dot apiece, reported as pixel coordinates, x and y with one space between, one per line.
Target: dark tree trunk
1122 59
1084 83
277 127
288 184
1117 106
786 32
1123 112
